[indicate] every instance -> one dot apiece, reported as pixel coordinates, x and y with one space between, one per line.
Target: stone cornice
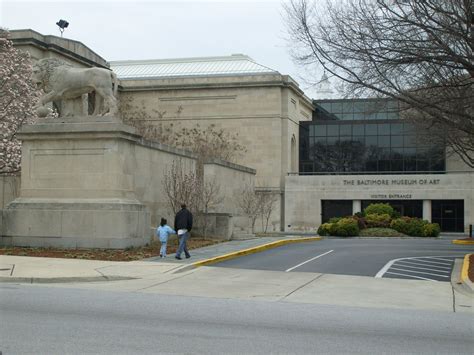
93 127
66 47
215 82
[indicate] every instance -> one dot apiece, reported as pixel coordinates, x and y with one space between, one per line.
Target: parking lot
419 259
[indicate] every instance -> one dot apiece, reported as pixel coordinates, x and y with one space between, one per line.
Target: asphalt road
40 320
362 257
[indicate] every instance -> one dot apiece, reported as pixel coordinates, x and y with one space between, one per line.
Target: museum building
359 151
323 158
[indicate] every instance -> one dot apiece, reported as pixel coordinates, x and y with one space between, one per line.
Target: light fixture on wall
62 25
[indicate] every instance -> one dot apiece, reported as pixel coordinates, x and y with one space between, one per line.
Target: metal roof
235 64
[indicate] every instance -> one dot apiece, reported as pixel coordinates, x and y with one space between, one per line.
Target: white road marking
399 264
410 262
433 262
387 266
307 261
447 258
418 272
415 277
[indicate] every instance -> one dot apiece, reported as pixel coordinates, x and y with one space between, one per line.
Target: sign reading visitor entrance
387 182
391 196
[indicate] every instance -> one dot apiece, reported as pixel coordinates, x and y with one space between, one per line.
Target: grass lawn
380 232
107 254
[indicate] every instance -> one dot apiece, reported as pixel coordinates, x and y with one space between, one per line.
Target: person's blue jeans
183 238
163 249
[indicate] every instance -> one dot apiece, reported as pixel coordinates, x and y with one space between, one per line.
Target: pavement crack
161 283
13 268
299 288
454 299
103 275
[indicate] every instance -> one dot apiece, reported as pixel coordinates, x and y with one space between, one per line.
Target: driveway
361 257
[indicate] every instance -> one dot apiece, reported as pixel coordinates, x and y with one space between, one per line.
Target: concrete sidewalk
54 270
173 277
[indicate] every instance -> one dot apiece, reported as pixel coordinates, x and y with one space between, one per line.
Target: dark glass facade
335 208
449 214
365 136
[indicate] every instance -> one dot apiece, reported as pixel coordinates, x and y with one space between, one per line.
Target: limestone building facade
286 134
234 93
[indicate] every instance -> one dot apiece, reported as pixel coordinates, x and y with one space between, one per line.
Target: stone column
77 186
427 210
356 206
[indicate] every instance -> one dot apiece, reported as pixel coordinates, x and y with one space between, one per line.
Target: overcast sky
156 29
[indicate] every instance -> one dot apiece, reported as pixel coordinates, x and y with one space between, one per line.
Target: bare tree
182 185
210 196
418 52
266 201
249 203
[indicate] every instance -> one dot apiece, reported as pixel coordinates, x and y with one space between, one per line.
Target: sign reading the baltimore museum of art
391 182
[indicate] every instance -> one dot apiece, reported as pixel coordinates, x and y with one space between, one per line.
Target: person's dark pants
183 238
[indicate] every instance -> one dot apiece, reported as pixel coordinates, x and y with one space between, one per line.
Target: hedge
415 227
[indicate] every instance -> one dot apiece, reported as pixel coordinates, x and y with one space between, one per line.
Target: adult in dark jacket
183 223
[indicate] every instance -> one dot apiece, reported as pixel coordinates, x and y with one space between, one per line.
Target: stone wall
254 114
454 163
232 179
95 183
151 161
9 189
263 110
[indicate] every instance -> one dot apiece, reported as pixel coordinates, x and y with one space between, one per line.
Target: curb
48 280
464 273
246 252
463 241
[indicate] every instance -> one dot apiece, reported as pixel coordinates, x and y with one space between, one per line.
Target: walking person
163 232
183 222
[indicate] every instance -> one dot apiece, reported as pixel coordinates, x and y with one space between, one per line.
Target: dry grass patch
127 254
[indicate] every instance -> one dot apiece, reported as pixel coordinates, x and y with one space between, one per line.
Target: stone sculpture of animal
60 81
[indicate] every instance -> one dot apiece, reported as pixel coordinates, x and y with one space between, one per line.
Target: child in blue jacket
163 232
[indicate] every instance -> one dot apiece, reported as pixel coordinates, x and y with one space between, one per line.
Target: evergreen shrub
431 230
379 208
415 227
323 229
378 220
361 222
345 227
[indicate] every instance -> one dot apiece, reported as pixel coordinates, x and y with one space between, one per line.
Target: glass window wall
377 142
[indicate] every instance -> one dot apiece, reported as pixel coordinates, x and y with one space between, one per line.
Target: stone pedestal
77 187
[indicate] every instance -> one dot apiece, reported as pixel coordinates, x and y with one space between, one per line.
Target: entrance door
335 208
449 214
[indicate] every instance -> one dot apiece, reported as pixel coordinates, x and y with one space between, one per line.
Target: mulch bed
106 254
